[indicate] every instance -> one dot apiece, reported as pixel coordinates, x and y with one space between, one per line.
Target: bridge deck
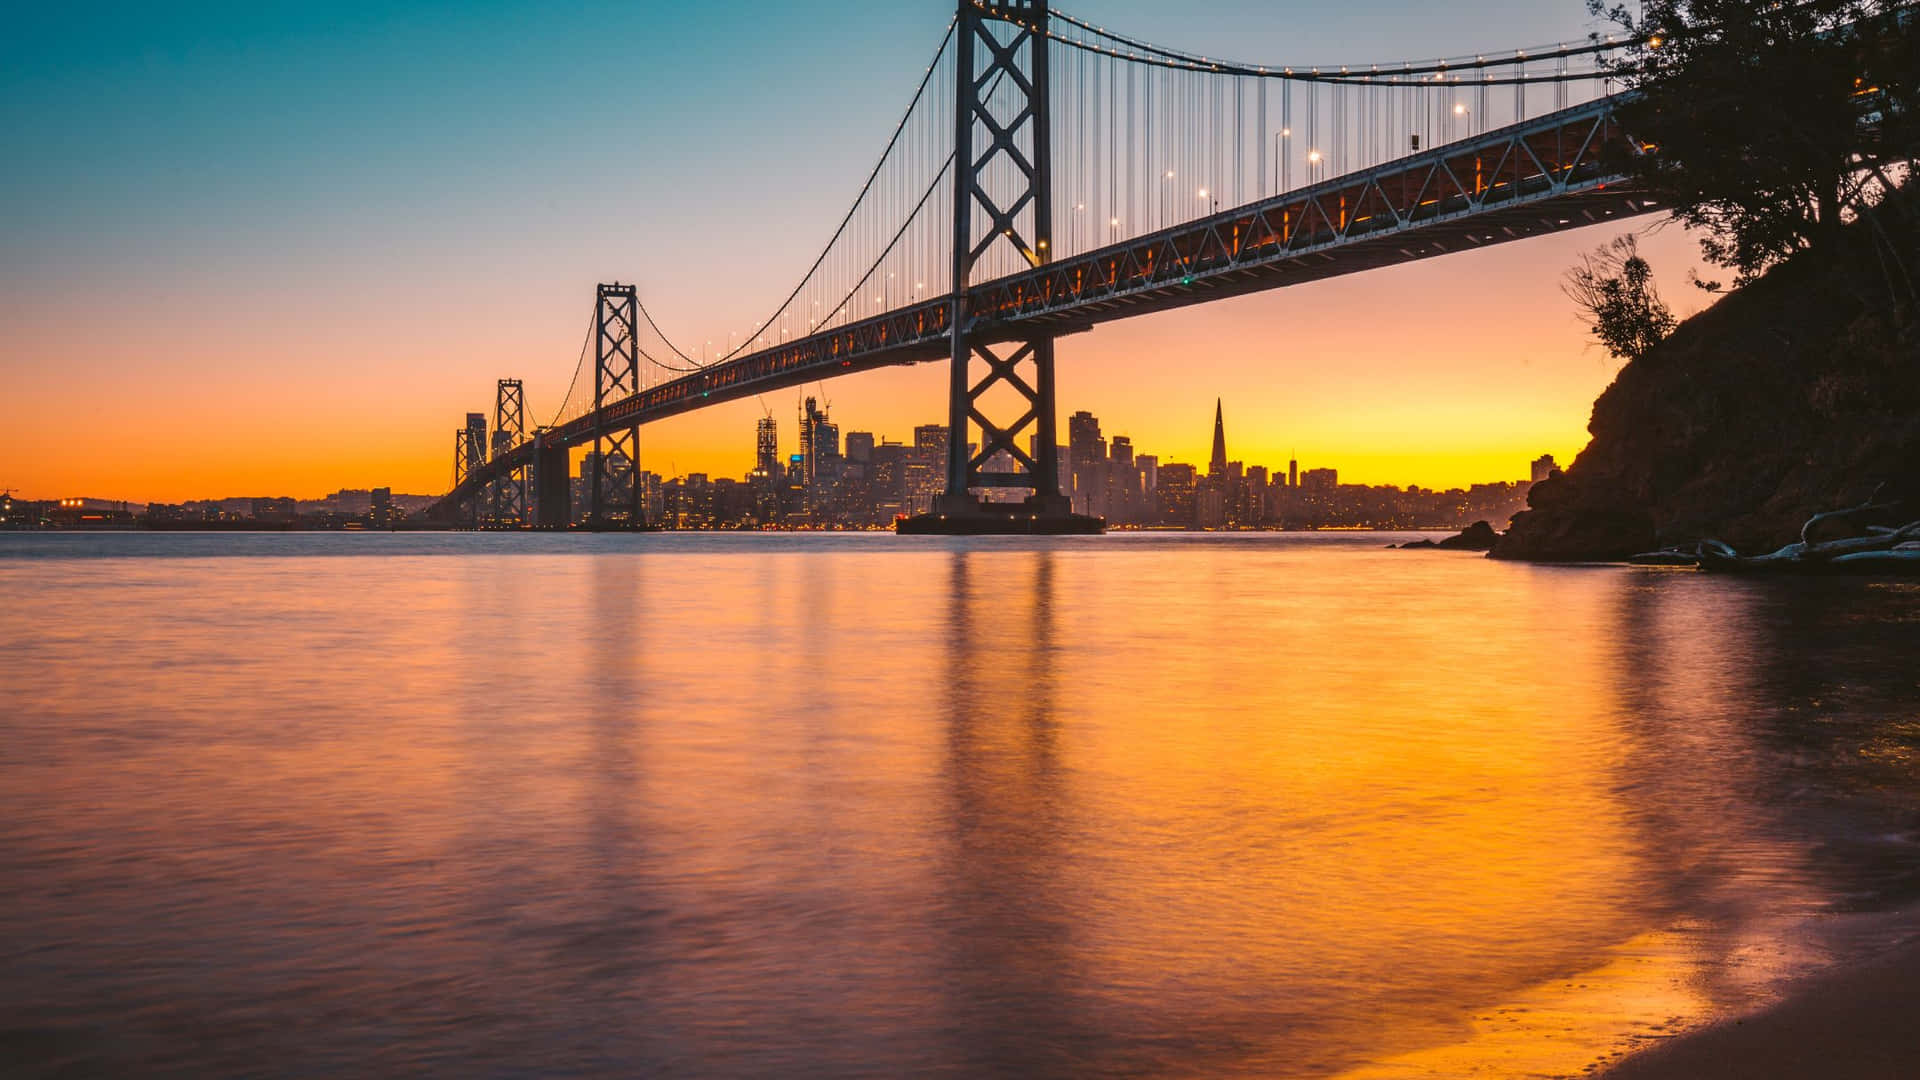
1545 175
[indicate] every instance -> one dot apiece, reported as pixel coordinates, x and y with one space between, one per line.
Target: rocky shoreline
1795 394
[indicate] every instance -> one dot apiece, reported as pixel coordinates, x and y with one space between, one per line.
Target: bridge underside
1488 228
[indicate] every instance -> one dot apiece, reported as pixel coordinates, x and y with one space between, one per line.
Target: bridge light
1202 193
1459 109
1313 157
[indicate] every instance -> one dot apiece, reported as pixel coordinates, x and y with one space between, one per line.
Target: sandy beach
1856 1022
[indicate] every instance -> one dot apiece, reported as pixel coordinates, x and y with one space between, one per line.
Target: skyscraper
1149 466
1175 493
927 468
476 440
805 456
930 445
1123 481
824 454
859 447
1217 465
819 446
1088 453
766 446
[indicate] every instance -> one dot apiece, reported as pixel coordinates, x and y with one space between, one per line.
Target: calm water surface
776 806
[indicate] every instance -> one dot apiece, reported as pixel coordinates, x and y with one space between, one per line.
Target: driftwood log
1873 549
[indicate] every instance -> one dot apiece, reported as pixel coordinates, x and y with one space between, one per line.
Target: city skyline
782 445
872 481
1481 360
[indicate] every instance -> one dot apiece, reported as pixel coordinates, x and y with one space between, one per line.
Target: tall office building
476 440
1293 471
819 446
1149 466
1123 482
766 446
1176 490
926 467
930 444
824 454
1217 465
805 456
1088 453
1322 480
859 447
887 470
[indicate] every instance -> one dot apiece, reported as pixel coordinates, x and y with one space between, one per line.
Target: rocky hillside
1795 394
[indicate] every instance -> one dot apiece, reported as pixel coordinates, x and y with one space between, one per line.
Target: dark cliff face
1796 394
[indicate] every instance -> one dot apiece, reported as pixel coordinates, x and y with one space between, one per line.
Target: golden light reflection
1181 807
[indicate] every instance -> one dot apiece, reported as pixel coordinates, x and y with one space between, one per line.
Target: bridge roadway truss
1549 174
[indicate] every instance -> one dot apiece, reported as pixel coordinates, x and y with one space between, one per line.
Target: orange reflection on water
1270 806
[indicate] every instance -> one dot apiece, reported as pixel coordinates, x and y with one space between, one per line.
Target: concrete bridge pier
552 487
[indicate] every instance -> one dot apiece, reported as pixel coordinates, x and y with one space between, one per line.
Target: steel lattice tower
463 465
1003 175
509 494
616 375
459 456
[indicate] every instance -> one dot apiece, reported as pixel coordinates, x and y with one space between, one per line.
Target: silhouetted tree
1613 287
1764 118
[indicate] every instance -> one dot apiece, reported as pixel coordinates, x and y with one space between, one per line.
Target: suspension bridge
1049 176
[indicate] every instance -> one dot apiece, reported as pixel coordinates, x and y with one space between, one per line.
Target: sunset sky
282 249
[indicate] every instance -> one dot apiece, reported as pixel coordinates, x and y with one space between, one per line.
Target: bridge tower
459 456
509 495
1003 181
463 465
614 483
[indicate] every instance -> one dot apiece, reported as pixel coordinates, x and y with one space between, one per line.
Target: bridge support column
552 486
614 486
1004 176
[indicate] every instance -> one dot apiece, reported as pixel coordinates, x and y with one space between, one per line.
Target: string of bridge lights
888 238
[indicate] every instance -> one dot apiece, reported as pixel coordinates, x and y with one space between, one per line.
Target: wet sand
1857 1022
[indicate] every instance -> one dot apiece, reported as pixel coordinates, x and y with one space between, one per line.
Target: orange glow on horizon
1443 373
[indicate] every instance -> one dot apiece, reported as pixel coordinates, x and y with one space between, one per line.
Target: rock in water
1567 523
1478 536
